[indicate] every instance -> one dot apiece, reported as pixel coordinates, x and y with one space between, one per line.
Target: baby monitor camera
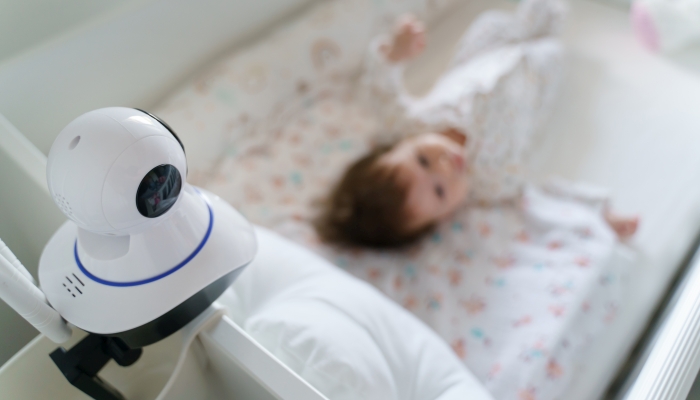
143 252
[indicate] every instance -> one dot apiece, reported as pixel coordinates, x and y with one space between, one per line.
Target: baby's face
436 173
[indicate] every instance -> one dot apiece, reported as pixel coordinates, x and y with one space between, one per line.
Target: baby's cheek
463 191
454 201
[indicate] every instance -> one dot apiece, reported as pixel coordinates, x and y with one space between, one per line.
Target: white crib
628 120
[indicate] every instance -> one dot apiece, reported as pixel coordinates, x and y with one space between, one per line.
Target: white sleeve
384 91
489 30
508 115
518 62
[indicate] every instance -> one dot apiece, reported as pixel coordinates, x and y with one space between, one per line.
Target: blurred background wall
27 23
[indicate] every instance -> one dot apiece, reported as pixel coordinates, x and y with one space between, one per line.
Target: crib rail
674 360
28 218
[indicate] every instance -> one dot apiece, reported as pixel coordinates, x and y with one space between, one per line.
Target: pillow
340 334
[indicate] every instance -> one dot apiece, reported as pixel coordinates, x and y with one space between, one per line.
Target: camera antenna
9 256
19 291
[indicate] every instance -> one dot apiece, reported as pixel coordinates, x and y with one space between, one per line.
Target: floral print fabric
518 288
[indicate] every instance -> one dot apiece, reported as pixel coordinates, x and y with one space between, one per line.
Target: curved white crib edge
23 153
674 361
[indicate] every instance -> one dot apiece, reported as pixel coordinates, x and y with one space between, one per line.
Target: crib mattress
628 120
625 121
518 290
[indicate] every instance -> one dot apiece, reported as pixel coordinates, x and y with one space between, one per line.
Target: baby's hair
367 206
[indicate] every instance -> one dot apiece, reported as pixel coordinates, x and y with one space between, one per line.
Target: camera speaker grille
63 204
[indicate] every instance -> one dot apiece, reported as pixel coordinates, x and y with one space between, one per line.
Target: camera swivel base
169 275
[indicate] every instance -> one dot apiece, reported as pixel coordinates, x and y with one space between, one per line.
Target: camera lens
158 191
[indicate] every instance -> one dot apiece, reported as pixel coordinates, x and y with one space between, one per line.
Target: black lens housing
158 191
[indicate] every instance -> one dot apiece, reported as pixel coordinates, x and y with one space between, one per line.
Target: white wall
132 56
26 23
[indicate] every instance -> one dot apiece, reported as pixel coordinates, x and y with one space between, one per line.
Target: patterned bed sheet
518 318
283 132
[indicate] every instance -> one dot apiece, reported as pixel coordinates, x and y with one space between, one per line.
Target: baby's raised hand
408 40
624 227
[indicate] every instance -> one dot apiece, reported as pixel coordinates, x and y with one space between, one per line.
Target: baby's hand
624 227
408 40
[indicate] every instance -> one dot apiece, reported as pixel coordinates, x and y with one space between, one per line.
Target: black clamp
83 361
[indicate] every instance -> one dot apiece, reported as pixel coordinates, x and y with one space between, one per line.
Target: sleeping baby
465 141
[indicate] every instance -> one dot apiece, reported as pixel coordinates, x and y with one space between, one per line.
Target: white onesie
498 89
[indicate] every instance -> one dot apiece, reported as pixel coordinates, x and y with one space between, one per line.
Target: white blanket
340 334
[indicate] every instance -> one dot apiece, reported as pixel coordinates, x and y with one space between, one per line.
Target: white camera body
144 252
98 161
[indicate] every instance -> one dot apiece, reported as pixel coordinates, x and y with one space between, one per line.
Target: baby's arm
490 30
383 78
407 41
624 227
